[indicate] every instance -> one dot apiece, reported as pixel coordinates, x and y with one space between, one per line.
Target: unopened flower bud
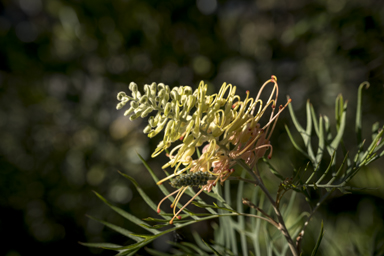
120 105
133 87
134 116
134 104
129 111
146 112
147 129
121 95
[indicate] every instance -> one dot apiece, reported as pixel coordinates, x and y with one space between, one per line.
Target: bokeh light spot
201 65
95 176
120 193
26 32
207 6
31 7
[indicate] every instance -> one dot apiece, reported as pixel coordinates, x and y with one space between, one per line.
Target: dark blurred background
63 62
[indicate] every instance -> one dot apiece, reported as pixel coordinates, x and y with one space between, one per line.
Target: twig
281 224
301 234
247 202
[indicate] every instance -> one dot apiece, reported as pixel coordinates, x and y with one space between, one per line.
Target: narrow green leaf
318 240
375 130
287 211
198 199
272 169
372 148
294 143
341 121
314 119
212 249
216 195
212 206
194 247
321 147
162 188
143 195
118 229
182 247
199 241
127 252
148 168
126 215
157 220
308 133
158 226
328 132
108 246
156 253
358 123
299 128
229 230
327 170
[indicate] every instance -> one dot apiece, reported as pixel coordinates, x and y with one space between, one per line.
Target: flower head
226 128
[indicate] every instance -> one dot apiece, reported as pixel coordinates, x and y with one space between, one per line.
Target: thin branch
281 223
301 234
247 202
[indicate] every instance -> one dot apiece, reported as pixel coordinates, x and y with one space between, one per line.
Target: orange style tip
171 222
273 106
158 210
179 217
182 137
269 157
171 206
273 77
234 105
247 91
289 100
281 106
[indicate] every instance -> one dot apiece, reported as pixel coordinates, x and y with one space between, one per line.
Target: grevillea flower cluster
224 127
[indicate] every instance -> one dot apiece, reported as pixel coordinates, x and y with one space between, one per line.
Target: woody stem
282 227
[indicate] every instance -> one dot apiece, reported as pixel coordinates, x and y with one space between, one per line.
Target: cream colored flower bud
120 105
189 139
121 95
143 99
134 104
175 95
129 111
167 108
146 112
188 90
153 89
147 90
188 153
151 121
134 116
168 129
147 129
133 87
191 101
161 93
